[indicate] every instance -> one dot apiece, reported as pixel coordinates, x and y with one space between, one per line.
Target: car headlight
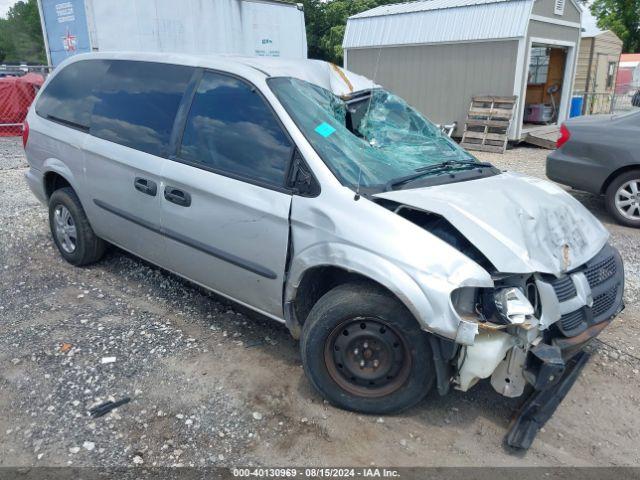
513 305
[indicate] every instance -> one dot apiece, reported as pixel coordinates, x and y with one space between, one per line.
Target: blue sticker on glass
325 129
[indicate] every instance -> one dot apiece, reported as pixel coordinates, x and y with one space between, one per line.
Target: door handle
145 186
177 196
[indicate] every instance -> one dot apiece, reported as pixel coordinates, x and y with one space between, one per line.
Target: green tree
21 34
326 22
623 18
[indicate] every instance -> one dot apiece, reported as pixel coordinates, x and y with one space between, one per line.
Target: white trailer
272 28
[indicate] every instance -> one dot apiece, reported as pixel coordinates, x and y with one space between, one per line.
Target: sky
4 6
588 22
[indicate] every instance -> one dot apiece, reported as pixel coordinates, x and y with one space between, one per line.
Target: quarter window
69 97
231 130
137 104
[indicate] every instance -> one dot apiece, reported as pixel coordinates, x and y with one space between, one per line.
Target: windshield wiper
68 123
422 171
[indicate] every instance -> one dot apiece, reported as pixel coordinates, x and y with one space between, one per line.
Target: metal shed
439 53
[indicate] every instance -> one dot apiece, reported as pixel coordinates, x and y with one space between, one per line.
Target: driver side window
231 130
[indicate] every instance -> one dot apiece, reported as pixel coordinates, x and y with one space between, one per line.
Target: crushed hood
521 224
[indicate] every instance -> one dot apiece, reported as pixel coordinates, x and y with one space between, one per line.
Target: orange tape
343 76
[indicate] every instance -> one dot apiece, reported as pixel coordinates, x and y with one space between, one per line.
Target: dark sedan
601 154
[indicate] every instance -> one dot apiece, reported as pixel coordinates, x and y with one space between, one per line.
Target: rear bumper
580 173
36 184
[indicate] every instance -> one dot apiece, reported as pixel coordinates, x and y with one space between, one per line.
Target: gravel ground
212 384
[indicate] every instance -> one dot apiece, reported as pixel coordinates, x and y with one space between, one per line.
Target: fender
434 312
59 167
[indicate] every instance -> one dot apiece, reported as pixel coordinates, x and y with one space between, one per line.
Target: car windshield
370 139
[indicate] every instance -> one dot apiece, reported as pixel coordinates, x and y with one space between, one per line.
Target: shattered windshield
371 138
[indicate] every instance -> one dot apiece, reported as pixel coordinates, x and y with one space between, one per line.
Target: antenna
357 196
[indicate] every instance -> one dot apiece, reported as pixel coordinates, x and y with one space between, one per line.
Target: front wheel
364 351
623 198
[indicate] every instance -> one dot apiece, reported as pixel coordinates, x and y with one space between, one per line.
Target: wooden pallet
488 122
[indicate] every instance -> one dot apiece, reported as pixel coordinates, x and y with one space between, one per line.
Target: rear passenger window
137 104
230 129
69 98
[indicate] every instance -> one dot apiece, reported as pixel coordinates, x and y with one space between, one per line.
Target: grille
601 271
603 302
605 276
572 321
564 288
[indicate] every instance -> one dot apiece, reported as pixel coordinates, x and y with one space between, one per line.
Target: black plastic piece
442 351
301 178
542 404
106 407
544 366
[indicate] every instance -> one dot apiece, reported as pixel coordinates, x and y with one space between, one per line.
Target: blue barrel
576 106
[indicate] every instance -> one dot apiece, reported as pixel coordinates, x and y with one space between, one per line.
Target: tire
624 182
375 322
80 246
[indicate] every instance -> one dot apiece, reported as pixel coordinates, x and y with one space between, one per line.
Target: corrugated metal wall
439 80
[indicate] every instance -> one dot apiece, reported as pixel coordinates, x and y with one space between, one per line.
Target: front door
225 208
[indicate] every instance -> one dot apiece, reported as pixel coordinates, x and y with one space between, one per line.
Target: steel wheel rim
627 199
65 229
370 360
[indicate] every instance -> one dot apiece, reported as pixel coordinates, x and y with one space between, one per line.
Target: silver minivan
317 198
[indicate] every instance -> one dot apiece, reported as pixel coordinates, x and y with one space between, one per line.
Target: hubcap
628 199
366 357
65 229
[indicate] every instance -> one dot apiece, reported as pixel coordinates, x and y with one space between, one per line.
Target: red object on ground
16 95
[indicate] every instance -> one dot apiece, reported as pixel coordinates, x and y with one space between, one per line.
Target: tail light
25 134
565 135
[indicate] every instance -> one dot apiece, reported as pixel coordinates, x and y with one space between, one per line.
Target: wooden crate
488 122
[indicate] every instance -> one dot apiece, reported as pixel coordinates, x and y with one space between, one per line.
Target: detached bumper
542 404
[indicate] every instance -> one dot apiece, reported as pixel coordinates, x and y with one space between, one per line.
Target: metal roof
420 6
437 21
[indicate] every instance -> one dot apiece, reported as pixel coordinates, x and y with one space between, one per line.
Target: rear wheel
72 234
364 351
623 198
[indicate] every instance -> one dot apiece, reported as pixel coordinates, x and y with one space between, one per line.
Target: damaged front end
509 274
532 330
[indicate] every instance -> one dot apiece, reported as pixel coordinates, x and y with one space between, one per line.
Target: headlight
513 305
